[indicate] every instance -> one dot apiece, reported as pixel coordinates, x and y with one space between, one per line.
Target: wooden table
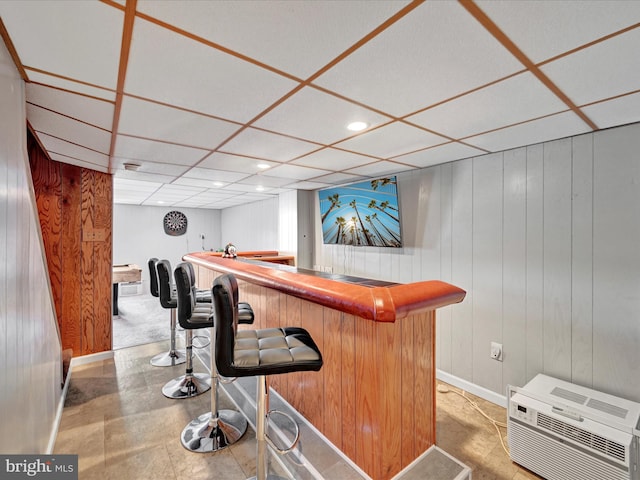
129 272
374 398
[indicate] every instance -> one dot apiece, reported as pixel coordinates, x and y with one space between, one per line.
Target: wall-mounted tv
364 214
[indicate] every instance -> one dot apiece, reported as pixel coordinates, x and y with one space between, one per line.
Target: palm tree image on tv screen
365 214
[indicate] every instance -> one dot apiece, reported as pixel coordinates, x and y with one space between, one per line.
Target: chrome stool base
187 386
203 437
169 359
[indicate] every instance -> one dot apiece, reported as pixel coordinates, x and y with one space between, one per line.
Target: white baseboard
477 390
94 357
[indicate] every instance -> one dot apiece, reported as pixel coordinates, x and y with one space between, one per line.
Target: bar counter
374 398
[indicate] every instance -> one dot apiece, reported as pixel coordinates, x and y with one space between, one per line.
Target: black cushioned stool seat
269 351
173 356
191 316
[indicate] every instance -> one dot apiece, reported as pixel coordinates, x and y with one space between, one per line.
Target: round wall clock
175 223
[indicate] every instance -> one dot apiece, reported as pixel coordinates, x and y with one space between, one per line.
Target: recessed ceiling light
260 188
357 126
218 184
263 166
160 201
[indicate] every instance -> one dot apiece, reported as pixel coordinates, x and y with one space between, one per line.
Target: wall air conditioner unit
562 431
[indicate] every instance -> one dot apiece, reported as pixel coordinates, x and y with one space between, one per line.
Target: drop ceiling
222 103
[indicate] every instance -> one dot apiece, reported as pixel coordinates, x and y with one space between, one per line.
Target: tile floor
122 427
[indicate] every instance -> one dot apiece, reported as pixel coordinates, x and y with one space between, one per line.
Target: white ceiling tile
151 120
196 182
391 140
70 150
234 163
296 172
510 101
379 168
548 128
259 144
62 84
135 185
139 149
604 70
435 53
198 77
89 110
333 159
338 178
215 175
142 176
329 121
301 38
266 181
544 29
306 185
247 188
618 111
441 154
100 167
71 130
92 29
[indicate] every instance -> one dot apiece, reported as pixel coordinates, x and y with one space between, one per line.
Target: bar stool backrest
153 277
167 300
226 322
185 294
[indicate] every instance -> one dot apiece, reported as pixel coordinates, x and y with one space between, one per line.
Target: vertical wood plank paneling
348 375
86 263
389 352
616 263
313 401
535 254
487 268
71 325
102 304
514 267
557 258
367 397
582 261
424 329
332 376
462 268
408 378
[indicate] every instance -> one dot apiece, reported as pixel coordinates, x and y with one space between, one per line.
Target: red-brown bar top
377 301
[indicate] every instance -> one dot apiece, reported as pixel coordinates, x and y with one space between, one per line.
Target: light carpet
141 320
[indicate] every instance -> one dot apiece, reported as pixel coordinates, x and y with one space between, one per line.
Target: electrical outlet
496 351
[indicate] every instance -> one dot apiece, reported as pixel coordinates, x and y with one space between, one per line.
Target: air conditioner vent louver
591 440
569 395
607 408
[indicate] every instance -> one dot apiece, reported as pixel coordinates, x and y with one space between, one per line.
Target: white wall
138 235
30 353
545 240
253 226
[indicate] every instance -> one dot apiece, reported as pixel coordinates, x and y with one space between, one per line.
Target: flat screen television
364 214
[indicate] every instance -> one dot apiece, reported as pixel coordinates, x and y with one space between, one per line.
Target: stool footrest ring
283 451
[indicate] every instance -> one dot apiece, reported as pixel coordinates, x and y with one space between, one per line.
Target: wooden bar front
374 398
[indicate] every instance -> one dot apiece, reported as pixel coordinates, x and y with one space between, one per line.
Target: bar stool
216 429
173 356
190 317
268 351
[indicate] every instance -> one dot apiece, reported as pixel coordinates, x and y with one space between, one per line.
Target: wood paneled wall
374 397
75 211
